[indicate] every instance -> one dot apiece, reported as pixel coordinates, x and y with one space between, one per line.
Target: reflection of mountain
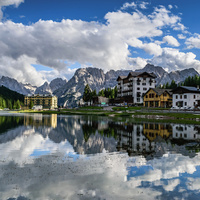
90 135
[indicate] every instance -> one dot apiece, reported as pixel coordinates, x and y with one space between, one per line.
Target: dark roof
159 91
136 74
186 89
121 77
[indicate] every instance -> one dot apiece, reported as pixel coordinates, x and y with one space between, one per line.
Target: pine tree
87 95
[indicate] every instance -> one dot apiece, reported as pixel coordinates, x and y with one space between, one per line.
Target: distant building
100 100
184 97
46 101
156 97
131 88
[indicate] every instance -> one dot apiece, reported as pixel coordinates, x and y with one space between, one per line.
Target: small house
156 97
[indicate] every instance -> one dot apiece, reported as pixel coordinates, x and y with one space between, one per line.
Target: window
185 96
146 95
143 83
144 88
138 88
180 96
176 96
138 83
194 96
138 99
156 96
185 103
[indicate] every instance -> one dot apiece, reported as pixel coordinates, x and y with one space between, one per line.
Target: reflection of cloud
101 176
31 143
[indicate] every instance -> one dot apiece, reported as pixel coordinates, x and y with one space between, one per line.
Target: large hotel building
132 88
46 101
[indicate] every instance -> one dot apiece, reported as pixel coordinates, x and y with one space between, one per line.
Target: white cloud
103 46
171 41
143 5
8 3
173 59
181 36
170 6
193 42
128 5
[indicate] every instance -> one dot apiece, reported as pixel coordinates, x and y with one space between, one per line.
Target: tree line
189 81
88 94
10 99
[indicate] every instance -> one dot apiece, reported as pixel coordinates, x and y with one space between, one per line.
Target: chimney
197 87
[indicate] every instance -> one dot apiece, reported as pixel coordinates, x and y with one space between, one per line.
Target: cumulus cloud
171 41
173 59
170 6
105 46
128 5
102 45
181 36
193 42
8 3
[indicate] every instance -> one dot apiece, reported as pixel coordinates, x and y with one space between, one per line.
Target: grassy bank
133 113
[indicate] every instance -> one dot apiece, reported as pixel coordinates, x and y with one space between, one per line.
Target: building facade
185 97
46 101
156 97
132 88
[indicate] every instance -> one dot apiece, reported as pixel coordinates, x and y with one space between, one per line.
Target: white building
185 97
131 88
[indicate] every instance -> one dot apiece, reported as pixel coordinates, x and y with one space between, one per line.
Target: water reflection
85 157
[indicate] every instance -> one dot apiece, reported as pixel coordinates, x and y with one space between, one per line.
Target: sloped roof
159 91
121 77
136 74
186 89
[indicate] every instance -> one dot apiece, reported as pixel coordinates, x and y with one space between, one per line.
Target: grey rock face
14 85
44 89
177 76
57 83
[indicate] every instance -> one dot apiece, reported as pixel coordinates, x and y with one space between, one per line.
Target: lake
58 157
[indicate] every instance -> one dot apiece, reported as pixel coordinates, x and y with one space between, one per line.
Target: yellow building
151 131
46 101
156 97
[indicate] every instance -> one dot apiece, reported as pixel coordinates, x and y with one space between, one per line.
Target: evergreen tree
87 95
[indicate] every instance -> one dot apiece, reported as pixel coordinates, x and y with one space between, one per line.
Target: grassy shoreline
152 115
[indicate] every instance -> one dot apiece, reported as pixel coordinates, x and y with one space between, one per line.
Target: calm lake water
57 157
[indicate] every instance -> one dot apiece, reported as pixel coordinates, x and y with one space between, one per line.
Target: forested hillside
10 99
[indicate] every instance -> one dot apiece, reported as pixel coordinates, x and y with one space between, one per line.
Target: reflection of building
47 101
151 130
185 97
186 132
39 120
156 97
131 139
131 88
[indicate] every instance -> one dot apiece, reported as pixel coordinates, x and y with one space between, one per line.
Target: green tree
18 106
87 95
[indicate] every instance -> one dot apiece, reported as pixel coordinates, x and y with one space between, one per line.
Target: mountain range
70 92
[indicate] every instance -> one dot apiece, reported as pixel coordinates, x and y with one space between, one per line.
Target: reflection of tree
10 122
89 129
109 132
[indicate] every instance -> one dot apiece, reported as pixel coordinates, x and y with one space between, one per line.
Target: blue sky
44 39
